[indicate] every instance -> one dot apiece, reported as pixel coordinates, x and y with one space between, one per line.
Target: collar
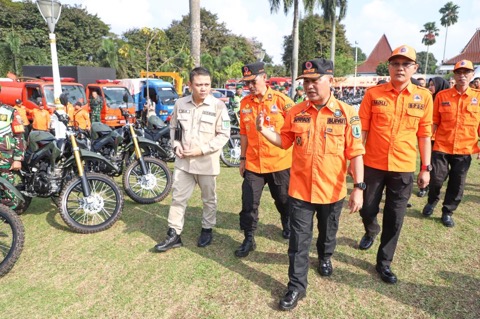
409 88
209 100
329 105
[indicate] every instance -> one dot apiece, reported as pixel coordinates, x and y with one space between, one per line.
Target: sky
365 22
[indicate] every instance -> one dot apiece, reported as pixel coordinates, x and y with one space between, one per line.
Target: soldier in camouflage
12 146
96 104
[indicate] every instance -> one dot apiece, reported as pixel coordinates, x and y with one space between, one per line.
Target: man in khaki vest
200 127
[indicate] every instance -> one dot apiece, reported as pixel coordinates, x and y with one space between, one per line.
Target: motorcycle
158 131
146 179
87 202
231 151
12 232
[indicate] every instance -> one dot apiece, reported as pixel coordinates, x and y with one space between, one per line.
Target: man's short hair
200 70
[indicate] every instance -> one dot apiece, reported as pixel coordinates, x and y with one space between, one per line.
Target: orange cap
405 51
463 64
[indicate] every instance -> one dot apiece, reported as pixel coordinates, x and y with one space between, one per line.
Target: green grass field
116 273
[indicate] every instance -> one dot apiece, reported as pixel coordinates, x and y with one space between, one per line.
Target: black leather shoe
447 220
386 274
172 241
409 205
366 242
247 246
428 210
205 238
325 268
290 300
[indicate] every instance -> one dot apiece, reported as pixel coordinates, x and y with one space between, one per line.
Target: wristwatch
243 158
361 186
427 168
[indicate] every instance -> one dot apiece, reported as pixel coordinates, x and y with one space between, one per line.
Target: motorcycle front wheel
230 154
12 237
151 187
94 213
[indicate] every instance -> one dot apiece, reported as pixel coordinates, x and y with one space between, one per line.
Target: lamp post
50 11
259 54
355 76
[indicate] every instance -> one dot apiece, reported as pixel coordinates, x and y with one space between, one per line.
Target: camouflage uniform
12 145
95 109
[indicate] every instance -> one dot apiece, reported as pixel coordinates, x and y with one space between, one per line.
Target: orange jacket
41 120
82 119
394 121
322 141
22 111
263 156
458 119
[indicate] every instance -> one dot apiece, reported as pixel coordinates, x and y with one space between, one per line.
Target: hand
192 152
423 179
355 201
179 151
241 168
259 121
16 165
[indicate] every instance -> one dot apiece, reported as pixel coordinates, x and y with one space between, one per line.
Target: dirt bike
158 131
87 202
12 233
146 179
231 151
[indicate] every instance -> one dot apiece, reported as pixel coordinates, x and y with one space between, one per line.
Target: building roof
381 52
470 52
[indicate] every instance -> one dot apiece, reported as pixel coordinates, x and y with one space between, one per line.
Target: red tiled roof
380 53
470 52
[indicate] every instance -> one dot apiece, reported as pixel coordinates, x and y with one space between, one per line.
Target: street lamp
259 54
50 11
355 76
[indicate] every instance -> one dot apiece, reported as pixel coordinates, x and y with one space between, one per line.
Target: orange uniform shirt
22 111
70 110
458 119
323 140
263 156
41 120
82 119
394 122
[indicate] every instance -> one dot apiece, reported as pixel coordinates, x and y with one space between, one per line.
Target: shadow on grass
457 298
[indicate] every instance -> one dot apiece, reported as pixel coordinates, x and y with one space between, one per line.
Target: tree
449 17
382 69
195 35
432 63
287 4
430 32
329 8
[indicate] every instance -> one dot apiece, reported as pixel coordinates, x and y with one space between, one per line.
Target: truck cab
32 91
114 96
159 91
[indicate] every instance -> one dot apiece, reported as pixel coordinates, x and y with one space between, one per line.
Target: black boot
172 241
247 246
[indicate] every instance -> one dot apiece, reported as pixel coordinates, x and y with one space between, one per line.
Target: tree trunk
445 45
195 31
426 63
332 45
295 45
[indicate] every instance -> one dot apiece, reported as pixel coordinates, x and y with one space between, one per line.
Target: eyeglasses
404 65
462 72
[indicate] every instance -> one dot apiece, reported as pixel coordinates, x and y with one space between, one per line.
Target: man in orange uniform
394 115
41 119
325 133
81 117
456 123
22 111
260 161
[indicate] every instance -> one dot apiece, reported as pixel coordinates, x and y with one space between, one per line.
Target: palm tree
329 8
195 31
430 31
449 17
287 4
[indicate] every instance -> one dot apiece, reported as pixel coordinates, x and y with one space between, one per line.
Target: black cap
18 101
250 71
316 67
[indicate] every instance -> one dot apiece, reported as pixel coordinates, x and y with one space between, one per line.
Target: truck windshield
167 96
74 92
117 97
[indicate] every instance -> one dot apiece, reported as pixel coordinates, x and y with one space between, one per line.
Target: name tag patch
379 102
334 120
418 106
302 119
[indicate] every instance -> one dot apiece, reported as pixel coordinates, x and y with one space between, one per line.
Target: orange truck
114 96
32 91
